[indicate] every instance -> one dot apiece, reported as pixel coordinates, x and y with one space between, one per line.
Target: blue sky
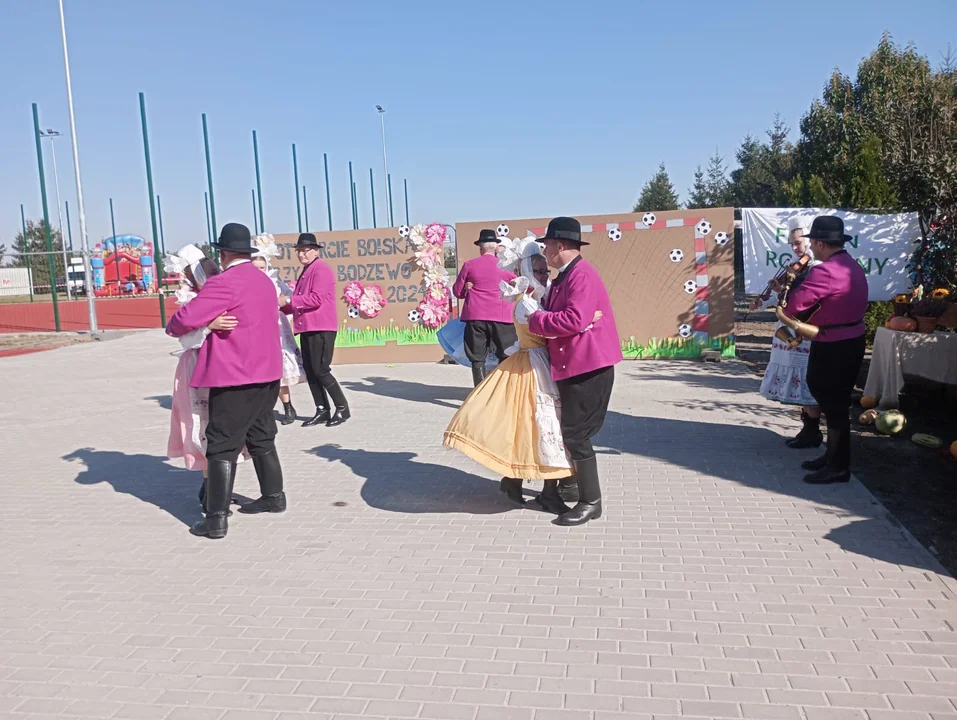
494 109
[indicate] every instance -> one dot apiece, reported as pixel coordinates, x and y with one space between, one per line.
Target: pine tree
718 186
698 194
658 193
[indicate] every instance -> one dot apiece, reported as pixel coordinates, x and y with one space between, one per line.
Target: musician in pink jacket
314 319
487 317
242 368
582 355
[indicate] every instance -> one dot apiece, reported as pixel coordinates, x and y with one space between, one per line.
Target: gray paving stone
400 583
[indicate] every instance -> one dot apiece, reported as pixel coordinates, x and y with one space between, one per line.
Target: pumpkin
868 401
890 422
868 417
953 449
902 323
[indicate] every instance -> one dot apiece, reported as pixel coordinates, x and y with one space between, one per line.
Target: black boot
816 464
512 487
568 489
837 460
219 481
342 412
589 508
269 473
322 406
478 373
202 492
550 500
810 435
290 414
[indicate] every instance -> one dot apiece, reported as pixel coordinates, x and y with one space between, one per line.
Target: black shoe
269 473
512 487
568 489
219 482
478 373
320 418
828 476
815 464
810 435
550 500
341 415
589 507
289 416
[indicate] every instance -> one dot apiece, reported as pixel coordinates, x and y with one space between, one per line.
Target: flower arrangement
930 307
428 242
364 300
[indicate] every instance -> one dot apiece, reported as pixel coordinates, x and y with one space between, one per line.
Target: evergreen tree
869 187
698 194
658 193
31 250
718 186
753 181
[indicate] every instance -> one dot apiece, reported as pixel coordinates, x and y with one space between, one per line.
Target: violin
784 275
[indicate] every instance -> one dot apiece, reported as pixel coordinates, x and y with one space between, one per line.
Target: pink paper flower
433 316
437 294
429 256
375 293
353 292
435 234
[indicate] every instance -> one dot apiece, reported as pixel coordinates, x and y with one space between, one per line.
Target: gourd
902 323
868 401
868 417
928 441
890 422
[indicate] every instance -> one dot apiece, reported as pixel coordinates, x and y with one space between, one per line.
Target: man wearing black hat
834 292
314 318
582 355
487 317
242 368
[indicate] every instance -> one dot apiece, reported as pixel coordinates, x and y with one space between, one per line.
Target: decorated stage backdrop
382 321
882 245
670 275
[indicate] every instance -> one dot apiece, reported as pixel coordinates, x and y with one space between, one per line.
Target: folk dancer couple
234 362
535 415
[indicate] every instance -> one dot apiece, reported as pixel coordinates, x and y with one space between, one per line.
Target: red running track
119 314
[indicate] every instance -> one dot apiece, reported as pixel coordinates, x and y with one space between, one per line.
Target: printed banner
882 245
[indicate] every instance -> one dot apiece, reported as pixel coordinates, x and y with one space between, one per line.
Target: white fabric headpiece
799 222
516 255
266 248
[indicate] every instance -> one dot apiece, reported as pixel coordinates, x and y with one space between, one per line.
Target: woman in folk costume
292 372
510 423
785 378
190 406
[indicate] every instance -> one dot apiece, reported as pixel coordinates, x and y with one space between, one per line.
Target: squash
928 441
953 449
868 401
890 422
903 324
868 417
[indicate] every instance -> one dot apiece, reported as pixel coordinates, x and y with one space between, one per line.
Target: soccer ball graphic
684 331
353 312
502 230
703 227
676 255
648 219
721 238
405 231
414 316
614 234
691 286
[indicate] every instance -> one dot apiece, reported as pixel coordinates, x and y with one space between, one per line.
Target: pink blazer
313 302
569 308
251 353
484 300
839 284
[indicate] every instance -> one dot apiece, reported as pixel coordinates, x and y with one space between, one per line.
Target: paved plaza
402 584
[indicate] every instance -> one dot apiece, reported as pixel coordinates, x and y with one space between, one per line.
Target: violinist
785 377
837 289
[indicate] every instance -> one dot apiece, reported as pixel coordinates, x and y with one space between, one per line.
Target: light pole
385 164
53 134
87 273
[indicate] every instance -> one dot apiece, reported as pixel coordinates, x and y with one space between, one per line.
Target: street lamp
84 240
53 134
385 164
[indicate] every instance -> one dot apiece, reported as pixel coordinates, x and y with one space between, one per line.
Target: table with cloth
931 356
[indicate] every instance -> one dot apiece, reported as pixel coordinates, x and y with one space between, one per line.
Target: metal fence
47 291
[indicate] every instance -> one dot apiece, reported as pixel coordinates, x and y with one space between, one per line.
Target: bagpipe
799 324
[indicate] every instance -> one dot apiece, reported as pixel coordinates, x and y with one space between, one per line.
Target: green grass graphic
675 348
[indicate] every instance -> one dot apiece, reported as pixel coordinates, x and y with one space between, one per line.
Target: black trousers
317 348
832 370
241 415
481 334
584 406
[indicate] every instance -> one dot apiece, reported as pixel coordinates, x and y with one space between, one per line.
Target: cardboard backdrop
670 275
377 257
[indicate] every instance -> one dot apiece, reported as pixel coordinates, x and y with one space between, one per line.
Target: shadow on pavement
449 396
164 401
395 482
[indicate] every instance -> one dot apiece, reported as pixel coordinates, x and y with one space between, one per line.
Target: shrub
877 314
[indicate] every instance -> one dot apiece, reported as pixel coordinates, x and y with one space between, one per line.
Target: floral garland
364 300
427 242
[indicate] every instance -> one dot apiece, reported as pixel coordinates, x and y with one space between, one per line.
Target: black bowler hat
565 229
307 240
828 229
235 237
487 236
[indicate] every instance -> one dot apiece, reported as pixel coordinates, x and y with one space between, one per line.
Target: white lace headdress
516 255
188 256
